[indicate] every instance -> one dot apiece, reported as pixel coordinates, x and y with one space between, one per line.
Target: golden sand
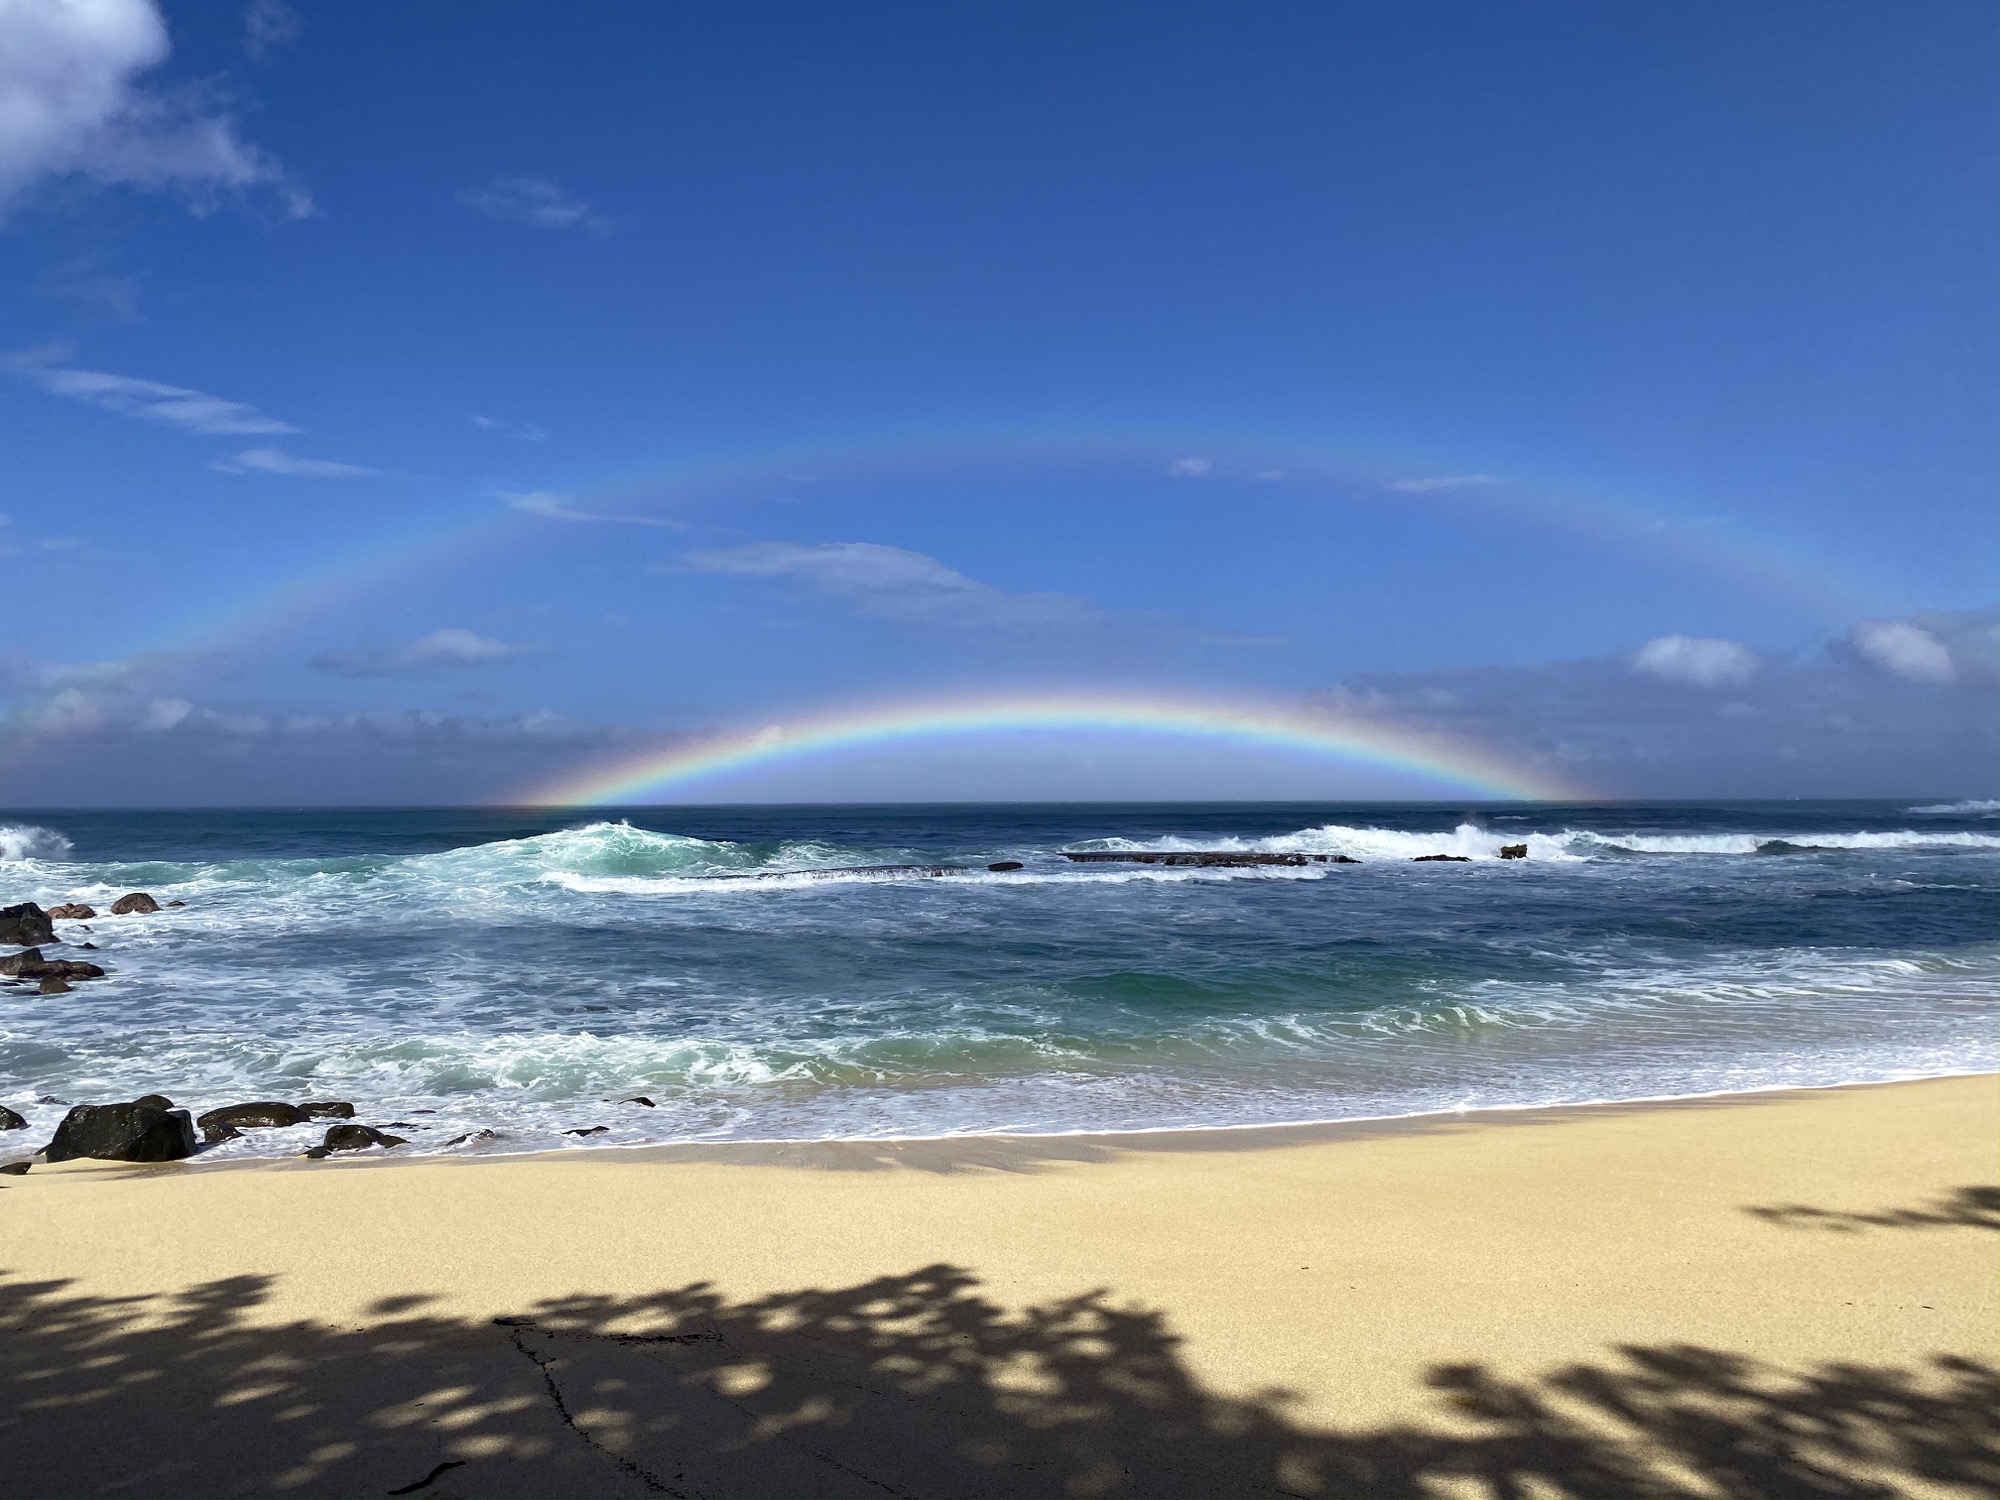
1787 1294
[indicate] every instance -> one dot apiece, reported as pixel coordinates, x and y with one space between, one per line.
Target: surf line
663 771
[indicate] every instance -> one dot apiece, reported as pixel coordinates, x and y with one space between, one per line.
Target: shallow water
464 970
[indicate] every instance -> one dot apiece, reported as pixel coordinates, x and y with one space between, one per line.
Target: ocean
753 972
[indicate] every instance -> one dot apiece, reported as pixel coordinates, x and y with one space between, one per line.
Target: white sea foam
20 841
1474 841
1982 807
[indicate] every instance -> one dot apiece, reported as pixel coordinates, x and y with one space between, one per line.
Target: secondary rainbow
1454 766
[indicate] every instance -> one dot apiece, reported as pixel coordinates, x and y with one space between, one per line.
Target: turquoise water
512 971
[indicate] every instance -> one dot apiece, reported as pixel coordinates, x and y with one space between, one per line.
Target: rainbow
1451 765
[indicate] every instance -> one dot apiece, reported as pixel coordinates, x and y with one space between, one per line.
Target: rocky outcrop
1200 859
154 1101
474 1138
1513 851
123 1132
327 1109
11 1121
353 1138
25 924
51 985
231 1120
72 911
1442 859
589 1130
1000 866
31 965
138 903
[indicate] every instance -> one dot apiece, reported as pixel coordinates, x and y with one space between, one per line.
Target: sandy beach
1768 1295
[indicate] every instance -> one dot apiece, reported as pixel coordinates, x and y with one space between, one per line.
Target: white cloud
277 461
1696 660
556 507
1907 650
174 405
893 583
270 26
535 201
523 432
71 105
1190 468
441 651
164 713
1443 482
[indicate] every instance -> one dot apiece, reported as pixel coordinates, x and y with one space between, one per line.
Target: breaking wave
20 841
1977 807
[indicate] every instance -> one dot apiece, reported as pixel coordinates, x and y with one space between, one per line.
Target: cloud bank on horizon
602 386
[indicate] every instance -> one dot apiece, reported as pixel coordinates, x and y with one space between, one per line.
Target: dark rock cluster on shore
31 929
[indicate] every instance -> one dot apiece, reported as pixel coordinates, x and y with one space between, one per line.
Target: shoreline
988 1144
1772 1293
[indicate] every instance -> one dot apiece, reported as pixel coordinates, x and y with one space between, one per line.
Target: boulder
137 903
327 1109
1442 859
1513 851
73 911
177 903
15 1168
154 1101
354 1138
25 924
29 964
1335 859
1005 864
231 1120
473 1138
635 1099
11 1121
123 1132
51 985
589 1130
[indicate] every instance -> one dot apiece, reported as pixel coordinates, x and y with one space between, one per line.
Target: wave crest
28 841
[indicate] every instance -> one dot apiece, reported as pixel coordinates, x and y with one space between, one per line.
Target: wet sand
1774 1295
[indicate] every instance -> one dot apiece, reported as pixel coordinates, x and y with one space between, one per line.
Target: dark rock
154 1101
25 924
1005 864
138 902
29 964
589 1130
635 1099
91 946
231 1120
11 1121
51 1099
1513 851
16 1168
1442 859
177 903
474 1137
51 985
1228 859
1335 859
358 1138
327 1109
123 1132
72 911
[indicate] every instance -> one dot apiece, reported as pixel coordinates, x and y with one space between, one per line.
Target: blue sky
410 403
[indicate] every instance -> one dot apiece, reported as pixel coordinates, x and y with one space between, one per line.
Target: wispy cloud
1907 650
556 507
522 432
277 461
450 649
151 400
1443 482
1698 661
539 202
269 27
1190 468
71 104
891 583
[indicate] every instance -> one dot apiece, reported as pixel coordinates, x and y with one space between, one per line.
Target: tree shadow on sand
1962 1208
912 1385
